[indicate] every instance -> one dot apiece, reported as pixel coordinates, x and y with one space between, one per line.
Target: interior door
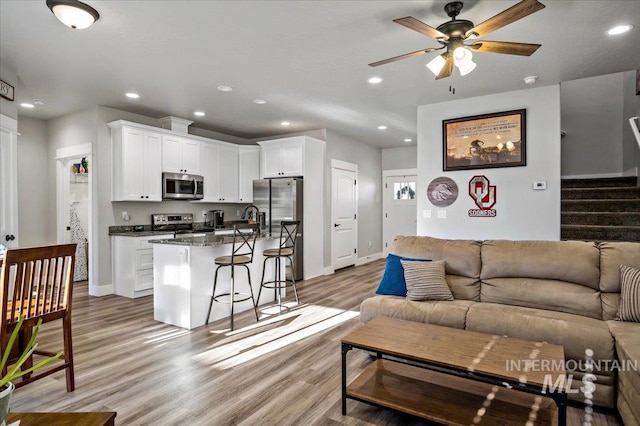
8 182
400 216
344 217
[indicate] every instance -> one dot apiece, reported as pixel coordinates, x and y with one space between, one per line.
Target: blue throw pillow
392 282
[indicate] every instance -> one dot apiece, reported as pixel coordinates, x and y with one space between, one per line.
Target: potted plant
6 385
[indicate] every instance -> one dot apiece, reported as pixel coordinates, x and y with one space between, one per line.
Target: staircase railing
633 122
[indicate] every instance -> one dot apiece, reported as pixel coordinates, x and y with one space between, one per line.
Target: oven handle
195 187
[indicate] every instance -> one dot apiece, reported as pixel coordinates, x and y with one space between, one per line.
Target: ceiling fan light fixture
467 68
74 14
436 64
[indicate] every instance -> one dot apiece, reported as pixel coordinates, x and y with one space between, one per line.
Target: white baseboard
631 172
593 176
328 270
101 290
370 258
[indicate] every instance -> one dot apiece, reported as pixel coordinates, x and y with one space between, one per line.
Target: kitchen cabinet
220 171
180 155
132 269
283 157
248 171
137 163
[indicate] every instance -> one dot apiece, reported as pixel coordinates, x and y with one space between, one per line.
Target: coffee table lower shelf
447 399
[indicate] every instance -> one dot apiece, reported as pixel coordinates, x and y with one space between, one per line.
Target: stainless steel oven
179 186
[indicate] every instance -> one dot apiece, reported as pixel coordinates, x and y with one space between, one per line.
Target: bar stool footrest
273 284
247 296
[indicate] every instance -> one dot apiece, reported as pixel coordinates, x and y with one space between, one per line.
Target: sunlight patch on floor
272 334
167 335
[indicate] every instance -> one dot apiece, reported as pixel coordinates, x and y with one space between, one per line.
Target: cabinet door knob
142 196
146 196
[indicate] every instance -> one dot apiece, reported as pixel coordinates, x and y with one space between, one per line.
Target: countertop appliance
179 223
179 186
215 219
281 199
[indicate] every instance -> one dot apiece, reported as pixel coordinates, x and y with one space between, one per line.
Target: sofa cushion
575 333
612 255
627 337
629 309
425 280
462 261
393 282
552 295
553 275
445 313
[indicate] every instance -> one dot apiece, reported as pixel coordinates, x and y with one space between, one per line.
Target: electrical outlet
426 214
125 216
442 214
369 245
237 212
204 213
540 185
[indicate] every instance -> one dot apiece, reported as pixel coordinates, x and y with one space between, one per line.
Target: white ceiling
308 59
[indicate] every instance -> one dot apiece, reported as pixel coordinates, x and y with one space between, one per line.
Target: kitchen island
184 269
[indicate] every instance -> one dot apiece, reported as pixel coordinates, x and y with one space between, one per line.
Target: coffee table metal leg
345 348
560 399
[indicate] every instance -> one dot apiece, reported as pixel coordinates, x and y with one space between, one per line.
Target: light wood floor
284 370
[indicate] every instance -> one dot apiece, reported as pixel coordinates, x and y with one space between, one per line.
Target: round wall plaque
442 192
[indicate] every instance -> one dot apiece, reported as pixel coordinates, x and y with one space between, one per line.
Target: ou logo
483 194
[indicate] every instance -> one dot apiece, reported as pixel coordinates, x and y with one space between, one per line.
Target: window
404 191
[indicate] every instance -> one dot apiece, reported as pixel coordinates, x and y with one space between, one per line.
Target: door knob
335 225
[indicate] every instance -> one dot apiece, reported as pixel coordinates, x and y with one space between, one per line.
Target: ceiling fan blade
518 11
505 47
406 55
447 69
421 27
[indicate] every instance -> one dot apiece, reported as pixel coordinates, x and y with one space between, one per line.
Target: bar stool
241 255
285 250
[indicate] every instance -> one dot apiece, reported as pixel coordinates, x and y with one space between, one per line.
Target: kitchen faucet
246 214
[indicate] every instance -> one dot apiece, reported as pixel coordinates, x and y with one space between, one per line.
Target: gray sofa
562 292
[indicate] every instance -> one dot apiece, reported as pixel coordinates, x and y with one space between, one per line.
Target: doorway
399 206
74 199
8 182
344 220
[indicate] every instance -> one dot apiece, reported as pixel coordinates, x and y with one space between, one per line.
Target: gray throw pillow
425 280
629 309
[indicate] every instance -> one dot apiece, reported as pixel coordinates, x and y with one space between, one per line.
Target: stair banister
633 122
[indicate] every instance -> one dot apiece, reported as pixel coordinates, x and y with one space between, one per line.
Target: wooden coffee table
456 377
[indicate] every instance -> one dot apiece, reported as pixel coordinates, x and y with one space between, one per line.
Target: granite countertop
140 233
198 227
210 240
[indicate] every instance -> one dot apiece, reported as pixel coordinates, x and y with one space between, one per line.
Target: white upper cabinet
137 163
220 171
180 155
282 157
249 170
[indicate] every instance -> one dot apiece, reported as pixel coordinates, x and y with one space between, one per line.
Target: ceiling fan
453 34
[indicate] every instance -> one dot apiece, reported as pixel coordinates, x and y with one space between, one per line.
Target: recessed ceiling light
382 127
132 95
531 79
619 29
375 80
259 101
27 105
408 140
225 88
199 113
285 123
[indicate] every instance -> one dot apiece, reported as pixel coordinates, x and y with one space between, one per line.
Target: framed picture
485 141
6 90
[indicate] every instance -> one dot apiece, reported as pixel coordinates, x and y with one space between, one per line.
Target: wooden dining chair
37 283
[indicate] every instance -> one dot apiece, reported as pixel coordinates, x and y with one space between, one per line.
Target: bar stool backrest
243 242
288 235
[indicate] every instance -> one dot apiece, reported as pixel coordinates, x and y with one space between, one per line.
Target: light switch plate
442 214
426 214
540 185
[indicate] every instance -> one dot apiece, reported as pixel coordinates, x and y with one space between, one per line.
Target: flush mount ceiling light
375 80
452 35
259 101
73 14
225 88
285 123
382 127
132 95
199 113
407 140
620 29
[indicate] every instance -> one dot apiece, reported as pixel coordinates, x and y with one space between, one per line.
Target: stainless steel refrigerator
281 199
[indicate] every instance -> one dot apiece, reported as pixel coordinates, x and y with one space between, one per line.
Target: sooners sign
484 195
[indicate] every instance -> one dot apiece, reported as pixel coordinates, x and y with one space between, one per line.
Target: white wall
592 116
37 219
405 157
522 212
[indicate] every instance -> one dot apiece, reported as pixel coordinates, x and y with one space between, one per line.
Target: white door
344 224
400 214
8 182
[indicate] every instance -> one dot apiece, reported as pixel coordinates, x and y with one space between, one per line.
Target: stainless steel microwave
179 186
